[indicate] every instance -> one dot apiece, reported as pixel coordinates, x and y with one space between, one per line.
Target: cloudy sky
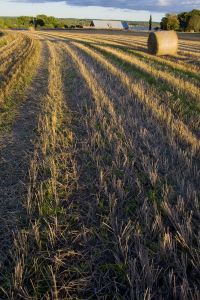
105 9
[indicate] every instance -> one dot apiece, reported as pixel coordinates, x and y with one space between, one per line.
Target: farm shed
106 24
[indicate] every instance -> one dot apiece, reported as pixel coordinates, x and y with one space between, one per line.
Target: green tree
23 21
183 20
47 21
59 25
170 22
163 23
150 23
194 12
39 22
194 23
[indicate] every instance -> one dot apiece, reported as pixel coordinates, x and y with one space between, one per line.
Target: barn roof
107 24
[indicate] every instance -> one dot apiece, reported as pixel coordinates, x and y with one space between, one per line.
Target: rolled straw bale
163 43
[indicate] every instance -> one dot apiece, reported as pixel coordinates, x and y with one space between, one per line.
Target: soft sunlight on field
110 200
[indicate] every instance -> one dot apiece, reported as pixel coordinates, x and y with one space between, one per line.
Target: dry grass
112 209
138 89
19 61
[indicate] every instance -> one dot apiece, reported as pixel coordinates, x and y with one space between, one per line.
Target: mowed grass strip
51 191
178 83
174 64
132 114
135 44
182 106
31 275
86 73
6 41
189 71
189 53
13 43
181 103
160 112
167 208
15 83
52 178
110 151
11 67
13 62
103 221
184 70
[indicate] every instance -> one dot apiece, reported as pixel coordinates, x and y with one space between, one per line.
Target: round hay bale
163 43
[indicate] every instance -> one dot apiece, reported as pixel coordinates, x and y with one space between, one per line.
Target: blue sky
105 9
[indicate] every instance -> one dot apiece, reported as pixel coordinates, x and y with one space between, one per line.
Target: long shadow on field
115 89
15 151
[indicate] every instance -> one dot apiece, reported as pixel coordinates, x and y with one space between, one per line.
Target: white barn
106 24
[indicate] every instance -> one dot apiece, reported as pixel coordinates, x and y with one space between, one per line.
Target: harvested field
99 167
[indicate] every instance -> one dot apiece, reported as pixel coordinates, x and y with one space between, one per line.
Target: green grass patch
185 108
162 66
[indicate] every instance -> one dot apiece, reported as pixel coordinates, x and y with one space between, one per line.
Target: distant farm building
103 24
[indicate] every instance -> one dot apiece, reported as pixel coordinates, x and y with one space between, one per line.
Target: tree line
185 21
41 21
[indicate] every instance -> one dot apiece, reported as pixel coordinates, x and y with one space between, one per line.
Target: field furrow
8 56
14 67
107 85
181 103
177 83
16 147
110 199
8 42
142 48
115 103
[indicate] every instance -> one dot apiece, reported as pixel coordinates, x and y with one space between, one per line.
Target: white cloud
62 10
148 5
164 3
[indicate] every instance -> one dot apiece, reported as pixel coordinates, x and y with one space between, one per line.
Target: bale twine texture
163 43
